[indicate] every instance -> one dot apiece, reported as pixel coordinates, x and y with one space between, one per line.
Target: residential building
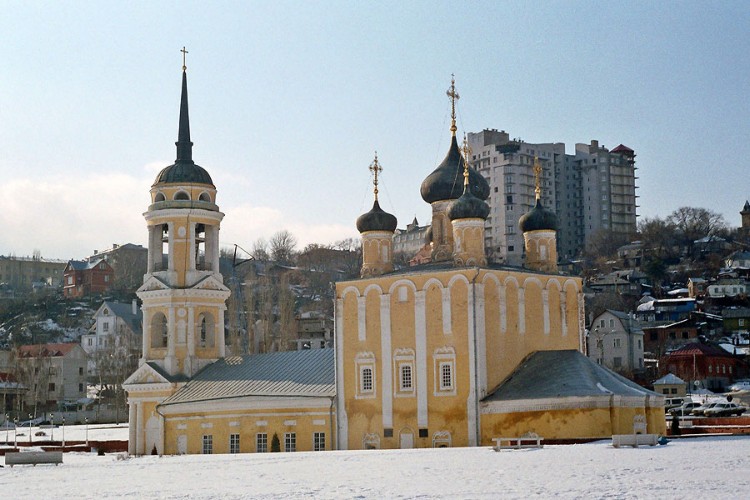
314 330
737 261
55 375
83 278
114 340
736 319
670 385
615 340
665 310
591 190
660 339
128 262
712 368
408 242
697 288
22 274
728 287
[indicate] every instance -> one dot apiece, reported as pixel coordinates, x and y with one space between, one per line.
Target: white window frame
208 444
404 359
319 441
234 443
444 356
365 361
261 442
290 442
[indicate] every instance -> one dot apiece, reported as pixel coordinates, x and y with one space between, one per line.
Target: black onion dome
468 206
539 218
447 181
376 220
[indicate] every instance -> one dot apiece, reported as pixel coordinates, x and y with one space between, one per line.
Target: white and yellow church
453 352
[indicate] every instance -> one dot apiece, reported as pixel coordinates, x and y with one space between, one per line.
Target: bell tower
183 294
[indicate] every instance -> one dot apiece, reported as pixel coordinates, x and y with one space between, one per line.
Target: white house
116 325
615 340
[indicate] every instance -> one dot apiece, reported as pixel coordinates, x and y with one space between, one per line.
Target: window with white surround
261 442
444 371
319 441
403 364
290 441
208 444
234 443
364 364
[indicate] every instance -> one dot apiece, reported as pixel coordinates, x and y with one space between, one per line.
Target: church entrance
407 439
182 445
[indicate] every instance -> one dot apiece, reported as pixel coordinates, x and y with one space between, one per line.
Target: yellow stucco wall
511 332
304 422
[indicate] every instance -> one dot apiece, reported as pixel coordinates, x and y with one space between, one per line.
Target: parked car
698 412
685 408
740 385
670 403
724 410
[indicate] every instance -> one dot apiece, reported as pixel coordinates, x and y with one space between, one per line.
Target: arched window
181 195
159 197
206 328
205 197
159 333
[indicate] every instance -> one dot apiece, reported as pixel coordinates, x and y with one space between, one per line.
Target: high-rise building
591 190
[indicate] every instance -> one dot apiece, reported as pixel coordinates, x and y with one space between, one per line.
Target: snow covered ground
709 467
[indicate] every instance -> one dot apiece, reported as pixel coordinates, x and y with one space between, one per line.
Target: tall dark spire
184 145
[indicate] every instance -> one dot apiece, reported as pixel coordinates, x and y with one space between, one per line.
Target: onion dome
445 182
468 206
539 218
376 220
184 170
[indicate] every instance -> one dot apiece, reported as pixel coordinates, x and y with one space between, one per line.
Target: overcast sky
289 101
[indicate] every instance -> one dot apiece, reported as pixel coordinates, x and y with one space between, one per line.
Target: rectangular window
105 326
616 362
261 442
80 370
290 441
52 387
405 378
208 444
367 379
616 343
80 387
234 443
91 342
446 376
319 441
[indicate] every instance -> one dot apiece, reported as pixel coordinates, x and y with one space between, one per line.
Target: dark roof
376 220
558 374
539 218
446 181
172 378
83 265
698 348
622 149
306 373
46 350
184 170
125 312
468 206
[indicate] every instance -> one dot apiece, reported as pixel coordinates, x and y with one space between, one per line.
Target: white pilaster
521 311
478 307
385 355
342 440
564 313
420 342
545 310
503 308
446 301
471 400
220 334
361 318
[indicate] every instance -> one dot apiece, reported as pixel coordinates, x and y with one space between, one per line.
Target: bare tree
693 223
283 245
260 250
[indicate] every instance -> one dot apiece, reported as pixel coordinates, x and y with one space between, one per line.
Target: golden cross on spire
184 53
451 92
537 178
467 153
375 168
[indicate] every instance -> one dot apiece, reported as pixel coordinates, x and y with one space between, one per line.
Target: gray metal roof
559 374
306 373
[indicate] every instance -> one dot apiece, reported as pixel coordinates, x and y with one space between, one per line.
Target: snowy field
709 467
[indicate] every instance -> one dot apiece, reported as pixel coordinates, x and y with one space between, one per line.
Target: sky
289 100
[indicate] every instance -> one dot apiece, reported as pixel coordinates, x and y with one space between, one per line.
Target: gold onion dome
184 170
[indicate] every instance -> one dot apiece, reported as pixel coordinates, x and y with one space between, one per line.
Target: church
451 352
